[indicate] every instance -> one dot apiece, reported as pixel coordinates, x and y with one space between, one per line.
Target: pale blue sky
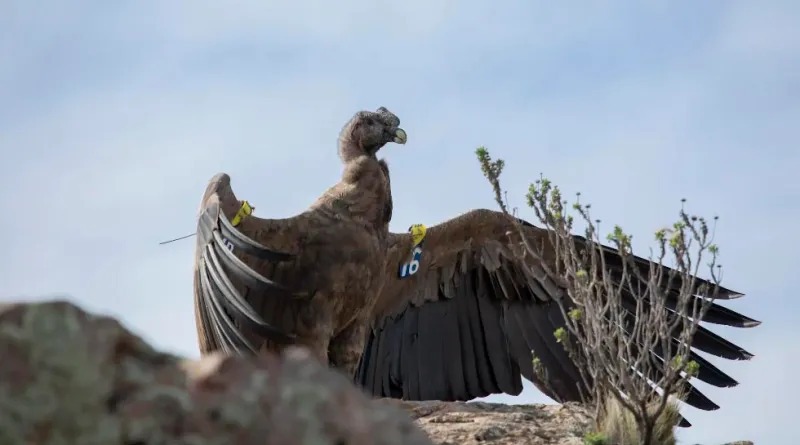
113 116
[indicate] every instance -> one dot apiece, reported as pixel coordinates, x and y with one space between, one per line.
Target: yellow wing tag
245 210
418 232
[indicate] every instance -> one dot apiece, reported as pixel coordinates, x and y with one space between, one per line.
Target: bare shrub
616 352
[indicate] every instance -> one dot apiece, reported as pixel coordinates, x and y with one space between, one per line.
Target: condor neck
363 194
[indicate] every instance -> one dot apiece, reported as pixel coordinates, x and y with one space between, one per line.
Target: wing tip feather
750 323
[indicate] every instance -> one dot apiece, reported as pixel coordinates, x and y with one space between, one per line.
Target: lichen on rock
476 423
69 377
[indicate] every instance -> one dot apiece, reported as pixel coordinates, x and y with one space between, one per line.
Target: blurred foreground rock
69 377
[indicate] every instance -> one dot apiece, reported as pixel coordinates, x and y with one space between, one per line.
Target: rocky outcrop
478 423
69 377
457 423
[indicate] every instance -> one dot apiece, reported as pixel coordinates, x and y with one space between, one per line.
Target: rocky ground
68 377
456 423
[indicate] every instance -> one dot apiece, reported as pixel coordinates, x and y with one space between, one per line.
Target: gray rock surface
69 377
458 423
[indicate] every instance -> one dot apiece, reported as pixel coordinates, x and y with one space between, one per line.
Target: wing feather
472 289
226 320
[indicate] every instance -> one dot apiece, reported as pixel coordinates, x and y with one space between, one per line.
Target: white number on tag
410 268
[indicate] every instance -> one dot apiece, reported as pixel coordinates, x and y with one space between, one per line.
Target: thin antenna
177 239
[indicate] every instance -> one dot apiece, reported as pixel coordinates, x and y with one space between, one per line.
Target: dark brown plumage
334 262
462 326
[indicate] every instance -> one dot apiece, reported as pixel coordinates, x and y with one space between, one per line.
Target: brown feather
336 245
479 247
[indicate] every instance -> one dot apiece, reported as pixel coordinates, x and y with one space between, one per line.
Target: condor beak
400 136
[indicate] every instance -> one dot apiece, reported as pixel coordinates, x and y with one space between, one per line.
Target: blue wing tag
418 232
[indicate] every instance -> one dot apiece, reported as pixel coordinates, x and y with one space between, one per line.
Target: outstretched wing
222 280
470 320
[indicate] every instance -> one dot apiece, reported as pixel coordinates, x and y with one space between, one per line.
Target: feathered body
338 246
